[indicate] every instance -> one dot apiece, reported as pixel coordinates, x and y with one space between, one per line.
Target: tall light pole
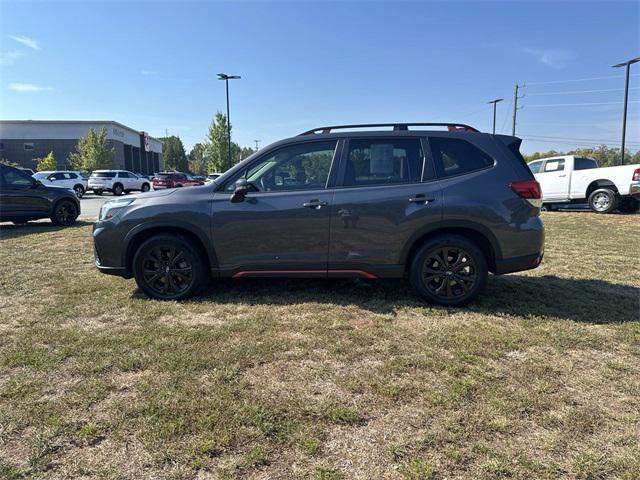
626 64
226 78
494 112
257 142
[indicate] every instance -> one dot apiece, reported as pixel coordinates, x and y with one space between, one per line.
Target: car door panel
370 226
272 231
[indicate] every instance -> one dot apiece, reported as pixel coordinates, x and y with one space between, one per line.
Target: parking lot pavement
90 205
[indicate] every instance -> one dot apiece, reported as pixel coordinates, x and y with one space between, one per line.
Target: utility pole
626 64
257 142
494 112
515 108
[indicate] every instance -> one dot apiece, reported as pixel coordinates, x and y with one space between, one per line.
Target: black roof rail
452 127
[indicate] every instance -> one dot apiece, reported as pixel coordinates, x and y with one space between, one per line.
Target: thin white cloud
7 58
28 87
148 72
551 57
26 41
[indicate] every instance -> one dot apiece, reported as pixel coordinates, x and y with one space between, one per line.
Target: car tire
65 213
145 187
169 267
97 192
448 270
603 200
79 189
117 189
629 205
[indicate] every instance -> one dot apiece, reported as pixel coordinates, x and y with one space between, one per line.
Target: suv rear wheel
64 213
449 270
117 189
169 267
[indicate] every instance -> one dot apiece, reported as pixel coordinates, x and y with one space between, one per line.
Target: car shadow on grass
581 300
10 230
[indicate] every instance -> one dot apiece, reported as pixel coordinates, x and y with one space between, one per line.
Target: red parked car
174 179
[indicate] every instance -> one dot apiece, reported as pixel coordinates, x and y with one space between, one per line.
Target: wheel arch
137 237
478 234
600 183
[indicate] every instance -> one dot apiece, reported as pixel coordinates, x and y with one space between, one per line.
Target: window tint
555 165
380 161
103 174
28 146
453 156
296 167
582 163
72 175
123 175
535 167
14 177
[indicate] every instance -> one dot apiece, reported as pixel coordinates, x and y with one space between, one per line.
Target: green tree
174 155
93 152
198 159
47 163
217 145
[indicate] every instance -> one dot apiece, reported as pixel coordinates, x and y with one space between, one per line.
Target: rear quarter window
454 156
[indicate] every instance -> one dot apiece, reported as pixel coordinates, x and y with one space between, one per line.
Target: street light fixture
494 112
626 64
226 78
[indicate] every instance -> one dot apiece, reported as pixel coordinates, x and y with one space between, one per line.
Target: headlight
111 208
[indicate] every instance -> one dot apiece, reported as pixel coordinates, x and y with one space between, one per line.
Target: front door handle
315 204
421 198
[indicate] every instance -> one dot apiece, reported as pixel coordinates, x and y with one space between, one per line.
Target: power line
580 79
573 138
578 104
583 91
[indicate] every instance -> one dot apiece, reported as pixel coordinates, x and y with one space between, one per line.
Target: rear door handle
421 198
316 204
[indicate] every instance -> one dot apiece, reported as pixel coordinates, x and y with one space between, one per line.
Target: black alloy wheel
168 267
65 213
449 270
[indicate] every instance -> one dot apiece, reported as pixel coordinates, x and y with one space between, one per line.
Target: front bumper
107 249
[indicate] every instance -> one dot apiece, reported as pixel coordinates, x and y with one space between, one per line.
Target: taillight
636 175
529 190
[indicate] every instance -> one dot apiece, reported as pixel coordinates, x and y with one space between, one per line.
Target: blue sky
153 65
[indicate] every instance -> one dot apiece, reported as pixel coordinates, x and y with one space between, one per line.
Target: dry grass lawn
313 379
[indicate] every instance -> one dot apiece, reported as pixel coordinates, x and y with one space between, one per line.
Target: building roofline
111 122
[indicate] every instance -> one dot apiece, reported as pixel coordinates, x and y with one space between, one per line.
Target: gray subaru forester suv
441 207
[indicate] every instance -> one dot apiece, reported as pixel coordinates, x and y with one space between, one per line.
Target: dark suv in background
23 198
442 208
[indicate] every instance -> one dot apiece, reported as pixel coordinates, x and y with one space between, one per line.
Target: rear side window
535 167
582 163
454 156
123 175
381 161
555 165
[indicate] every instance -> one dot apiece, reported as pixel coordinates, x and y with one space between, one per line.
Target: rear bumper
518 264
634 190
116 271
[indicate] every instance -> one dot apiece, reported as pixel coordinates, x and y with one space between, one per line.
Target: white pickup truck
573 179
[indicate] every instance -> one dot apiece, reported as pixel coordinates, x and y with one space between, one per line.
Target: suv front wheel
169 267
449 270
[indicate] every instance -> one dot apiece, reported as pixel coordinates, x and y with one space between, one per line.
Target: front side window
454 156
296 167
535 167
556 165
15 178
382 161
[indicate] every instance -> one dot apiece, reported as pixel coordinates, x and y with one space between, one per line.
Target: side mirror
242 188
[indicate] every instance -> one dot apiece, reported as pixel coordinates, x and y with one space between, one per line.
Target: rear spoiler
513 144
